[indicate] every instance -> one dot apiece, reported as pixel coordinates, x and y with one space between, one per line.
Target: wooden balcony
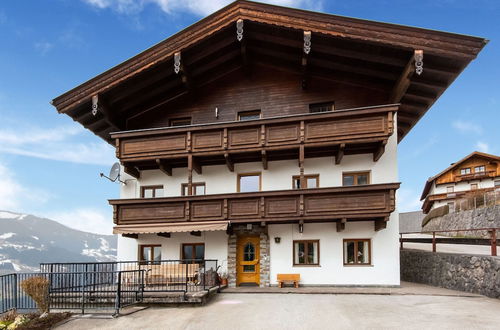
476 176
351 131
337 204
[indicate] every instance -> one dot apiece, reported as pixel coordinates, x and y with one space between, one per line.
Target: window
198 188
497 183
357 252
306 253
180 121
355 179
150 253
249 115
322 107
249 182
151 191
464 171
449 189
479 169
473 186
311 181
193 251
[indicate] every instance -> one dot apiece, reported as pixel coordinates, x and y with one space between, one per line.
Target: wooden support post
380 151
135 236
264 159
493 233
132 171
166 235
341 224
433 241
164 167
301 166
229 162
340 153
380 224
190 175
196 233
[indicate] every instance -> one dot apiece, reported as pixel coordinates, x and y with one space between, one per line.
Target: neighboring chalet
475 174
266 138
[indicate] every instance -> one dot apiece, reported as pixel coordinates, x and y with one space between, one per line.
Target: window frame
448 191
306 176
240 175
318 264
474 186
193 245
154 188
496 183
465 170
480 166
356 240
355 174
330 104
194 184
249 113
180 119
141 253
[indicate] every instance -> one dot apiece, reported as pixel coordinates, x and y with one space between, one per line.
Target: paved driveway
312 311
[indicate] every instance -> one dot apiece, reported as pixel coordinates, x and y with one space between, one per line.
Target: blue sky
49 165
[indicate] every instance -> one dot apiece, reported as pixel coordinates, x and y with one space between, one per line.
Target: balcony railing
477 175
368 202
361 130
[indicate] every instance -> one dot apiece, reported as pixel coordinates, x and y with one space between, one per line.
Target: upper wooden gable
245 35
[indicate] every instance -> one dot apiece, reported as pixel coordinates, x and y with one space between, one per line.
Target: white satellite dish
114 173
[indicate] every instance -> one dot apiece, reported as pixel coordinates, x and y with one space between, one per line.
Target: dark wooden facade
372 202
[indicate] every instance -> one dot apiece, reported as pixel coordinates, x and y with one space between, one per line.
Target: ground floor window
357 252
306 252
193 251
150 253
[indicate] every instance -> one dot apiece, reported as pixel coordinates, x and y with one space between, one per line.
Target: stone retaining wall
470 273
486 217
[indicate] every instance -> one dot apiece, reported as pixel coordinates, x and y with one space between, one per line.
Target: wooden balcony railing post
190 175
433 241
493 234
301 166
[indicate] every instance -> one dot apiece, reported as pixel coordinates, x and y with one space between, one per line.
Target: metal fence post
82 283
16 303
118 294
433 241
494 242
187 273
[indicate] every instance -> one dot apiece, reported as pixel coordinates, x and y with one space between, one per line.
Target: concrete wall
470 273
410 221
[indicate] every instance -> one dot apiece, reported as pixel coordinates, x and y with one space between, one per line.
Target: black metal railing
108 285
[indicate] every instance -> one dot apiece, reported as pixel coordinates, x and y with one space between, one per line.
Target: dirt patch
37 323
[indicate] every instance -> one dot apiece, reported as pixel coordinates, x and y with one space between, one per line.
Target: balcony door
247 261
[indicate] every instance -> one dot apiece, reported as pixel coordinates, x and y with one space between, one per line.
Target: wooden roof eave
433 42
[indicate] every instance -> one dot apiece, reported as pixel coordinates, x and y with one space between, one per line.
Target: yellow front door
247 260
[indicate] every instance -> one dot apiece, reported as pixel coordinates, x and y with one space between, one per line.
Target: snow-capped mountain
27 240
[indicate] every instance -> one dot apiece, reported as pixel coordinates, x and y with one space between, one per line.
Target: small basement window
357 252
249 115
306 253
321 107
151 191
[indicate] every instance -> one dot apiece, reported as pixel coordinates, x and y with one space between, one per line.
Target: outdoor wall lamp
277 240
301 228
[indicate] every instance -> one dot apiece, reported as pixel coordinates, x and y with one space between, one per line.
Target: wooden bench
288 278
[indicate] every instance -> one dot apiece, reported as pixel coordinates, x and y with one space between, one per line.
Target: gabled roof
344 49
453 166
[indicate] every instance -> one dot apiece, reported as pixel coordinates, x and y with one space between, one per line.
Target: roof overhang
353 51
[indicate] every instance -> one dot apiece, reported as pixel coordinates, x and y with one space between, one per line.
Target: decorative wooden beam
305 53
164 167
340 153
341 224
100 105
404 80
301 166
190 175
132 171
239 30
380 151
135 236
264 159
229 162
196 233
166 235
380 224
177 62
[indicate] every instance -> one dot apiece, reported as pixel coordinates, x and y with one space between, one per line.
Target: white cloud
482 146
408 200
55 144
15 196
85 219
43 47
467 126
197 7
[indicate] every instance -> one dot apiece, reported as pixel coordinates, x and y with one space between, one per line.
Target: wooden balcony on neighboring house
476 176
335 133
373 202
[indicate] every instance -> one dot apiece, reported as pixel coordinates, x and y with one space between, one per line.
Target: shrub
10 316
38 289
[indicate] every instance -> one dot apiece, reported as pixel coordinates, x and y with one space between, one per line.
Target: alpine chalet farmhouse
266 138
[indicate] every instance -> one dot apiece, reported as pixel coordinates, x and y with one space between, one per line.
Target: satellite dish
114 173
